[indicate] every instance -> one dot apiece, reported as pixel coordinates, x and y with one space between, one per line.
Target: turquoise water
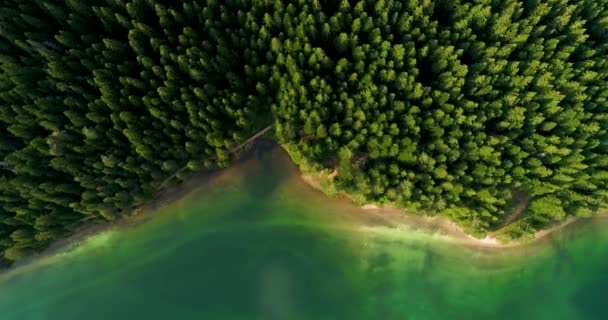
256 243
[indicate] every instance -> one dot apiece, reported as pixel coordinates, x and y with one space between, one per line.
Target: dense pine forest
467 109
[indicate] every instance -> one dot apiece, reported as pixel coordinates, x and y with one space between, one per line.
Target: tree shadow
590 299
266 171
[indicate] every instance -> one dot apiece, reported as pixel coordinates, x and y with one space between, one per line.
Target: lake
255 242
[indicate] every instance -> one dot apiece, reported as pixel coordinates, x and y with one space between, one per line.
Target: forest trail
333 174
522 205
233 150
255 136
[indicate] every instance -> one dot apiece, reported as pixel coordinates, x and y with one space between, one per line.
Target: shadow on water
274 272
590 299
262 178
380 284
437 302
404 288
285 273
265 178
565 263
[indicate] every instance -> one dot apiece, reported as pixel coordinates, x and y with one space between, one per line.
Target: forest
465 109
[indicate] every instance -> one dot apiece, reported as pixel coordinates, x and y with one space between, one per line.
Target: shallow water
257 243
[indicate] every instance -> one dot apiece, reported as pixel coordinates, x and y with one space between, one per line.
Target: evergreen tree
448 107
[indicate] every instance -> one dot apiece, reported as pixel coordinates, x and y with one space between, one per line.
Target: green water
256 243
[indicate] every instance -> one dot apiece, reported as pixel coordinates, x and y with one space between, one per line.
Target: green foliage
441 106
520 230
99 103
448 106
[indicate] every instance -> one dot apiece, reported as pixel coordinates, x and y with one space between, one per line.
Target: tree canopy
100 102
449 107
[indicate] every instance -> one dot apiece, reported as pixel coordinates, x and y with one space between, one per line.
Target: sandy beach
401 218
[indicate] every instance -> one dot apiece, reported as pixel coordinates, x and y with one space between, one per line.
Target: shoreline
399 218
141 213
370 215
144 212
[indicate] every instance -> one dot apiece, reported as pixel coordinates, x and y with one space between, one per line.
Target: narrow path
233 150
522 205
255 136
333 174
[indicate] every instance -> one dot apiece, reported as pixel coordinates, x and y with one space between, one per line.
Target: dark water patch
591 299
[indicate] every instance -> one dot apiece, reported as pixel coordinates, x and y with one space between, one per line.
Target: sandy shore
401 218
